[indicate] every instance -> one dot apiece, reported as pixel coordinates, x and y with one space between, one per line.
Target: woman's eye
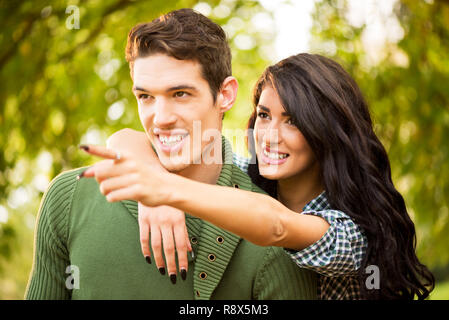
262 115
290 122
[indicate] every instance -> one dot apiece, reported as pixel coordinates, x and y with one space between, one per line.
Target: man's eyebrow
175 88
182 87
266 109
139 89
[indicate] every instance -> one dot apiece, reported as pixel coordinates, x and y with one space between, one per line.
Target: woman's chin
271 172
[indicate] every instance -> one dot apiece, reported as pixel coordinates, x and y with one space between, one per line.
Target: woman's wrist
173 189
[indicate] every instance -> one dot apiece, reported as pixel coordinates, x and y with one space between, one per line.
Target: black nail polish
148 259
173 278
162 270
183 274
84 147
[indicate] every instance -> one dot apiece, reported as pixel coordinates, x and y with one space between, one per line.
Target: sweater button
194 240
197 293
211 257
220 239
203 275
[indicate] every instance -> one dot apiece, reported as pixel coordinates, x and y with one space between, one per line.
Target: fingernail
162 270
148 259
84 147
173 278
183 274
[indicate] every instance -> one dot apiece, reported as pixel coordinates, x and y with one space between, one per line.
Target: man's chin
174 166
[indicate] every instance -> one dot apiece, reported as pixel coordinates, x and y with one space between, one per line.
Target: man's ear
227 94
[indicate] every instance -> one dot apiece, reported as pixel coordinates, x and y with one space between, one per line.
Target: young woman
317 154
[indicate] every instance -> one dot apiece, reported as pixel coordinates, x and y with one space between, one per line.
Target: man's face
175 108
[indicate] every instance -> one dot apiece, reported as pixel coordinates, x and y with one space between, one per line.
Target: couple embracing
303 218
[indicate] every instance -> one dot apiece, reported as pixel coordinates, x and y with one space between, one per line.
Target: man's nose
164 117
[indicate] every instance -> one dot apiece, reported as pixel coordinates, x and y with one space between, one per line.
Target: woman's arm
255 217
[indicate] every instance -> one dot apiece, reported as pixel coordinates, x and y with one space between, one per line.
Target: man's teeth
168 140
274 155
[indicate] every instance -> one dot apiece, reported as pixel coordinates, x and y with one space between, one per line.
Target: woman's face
282 151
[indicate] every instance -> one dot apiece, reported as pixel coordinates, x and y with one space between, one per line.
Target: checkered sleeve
241 162
339 252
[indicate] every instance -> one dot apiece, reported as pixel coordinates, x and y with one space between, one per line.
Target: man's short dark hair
185 35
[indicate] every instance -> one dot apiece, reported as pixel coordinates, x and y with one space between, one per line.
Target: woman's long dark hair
328 108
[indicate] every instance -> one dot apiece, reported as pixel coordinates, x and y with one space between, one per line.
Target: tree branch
34 16
31 19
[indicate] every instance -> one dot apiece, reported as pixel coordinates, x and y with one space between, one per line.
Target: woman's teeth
274 155
170 140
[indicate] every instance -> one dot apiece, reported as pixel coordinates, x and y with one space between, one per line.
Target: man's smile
170 141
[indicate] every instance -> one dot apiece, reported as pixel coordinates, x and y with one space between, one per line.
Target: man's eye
180 94
143 96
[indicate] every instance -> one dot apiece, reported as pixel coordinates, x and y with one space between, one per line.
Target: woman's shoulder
241 162
320 206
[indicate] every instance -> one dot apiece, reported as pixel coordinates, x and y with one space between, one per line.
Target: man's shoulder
56 202
67 175
62 186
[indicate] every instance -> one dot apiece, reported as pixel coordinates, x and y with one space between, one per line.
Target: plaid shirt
337 256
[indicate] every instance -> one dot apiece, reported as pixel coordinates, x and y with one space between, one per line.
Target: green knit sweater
77 229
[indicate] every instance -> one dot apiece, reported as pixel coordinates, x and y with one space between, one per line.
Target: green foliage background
61 87
408 92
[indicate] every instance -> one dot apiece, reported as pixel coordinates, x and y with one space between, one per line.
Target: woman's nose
272 136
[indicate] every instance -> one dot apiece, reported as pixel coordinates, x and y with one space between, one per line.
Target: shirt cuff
339 251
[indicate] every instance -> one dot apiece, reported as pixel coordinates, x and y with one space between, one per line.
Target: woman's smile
271 156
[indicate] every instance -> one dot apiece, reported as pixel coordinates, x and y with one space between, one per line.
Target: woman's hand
165 223
123 178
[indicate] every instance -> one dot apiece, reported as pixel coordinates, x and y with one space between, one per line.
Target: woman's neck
295 192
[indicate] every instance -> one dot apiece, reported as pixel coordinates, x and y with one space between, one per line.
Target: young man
88 248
